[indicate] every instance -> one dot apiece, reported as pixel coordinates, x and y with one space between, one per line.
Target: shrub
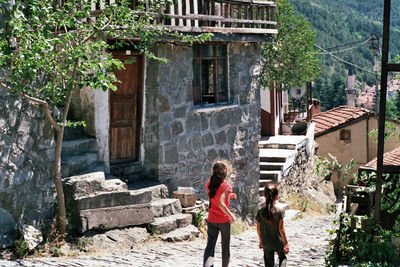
300 128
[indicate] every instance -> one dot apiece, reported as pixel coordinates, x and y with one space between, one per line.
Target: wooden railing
223 16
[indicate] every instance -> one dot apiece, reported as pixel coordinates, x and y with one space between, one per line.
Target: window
345 135
210 83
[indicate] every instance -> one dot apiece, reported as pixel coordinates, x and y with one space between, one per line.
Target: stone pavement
308 240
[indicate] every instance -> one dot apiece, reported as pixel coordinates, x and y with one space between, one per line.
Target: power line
355 42
342 60
349 48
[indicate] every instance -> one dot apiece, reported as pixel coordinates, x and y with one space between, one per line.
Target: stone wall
181 141
26 156
303 180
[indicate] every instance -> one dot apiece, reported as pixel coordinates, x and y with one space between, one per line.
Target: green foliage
325 167
339 22
21 248
391 109
289 59
199 218
390 130
56 252
390 197
371 246
52 49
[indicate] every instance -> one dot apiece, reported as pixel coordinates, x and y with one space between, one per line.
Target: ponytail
270 213
220 172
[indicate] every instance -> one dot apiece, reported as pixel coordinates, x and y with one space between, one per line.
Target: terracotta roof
389 158
336 117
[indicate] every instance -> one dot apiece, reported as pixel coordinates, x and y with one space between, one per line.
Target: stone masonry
26 156
181 141
26 153
302 179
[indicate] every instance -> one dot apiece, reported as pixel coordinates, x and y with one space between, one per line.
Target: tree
289 59
53 48
391 109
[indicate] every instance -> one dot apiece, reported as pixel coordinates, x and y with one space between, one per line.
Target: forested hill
341 22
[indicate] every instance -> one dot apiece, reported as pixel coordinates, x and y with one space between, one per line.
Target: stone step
112 199
76 147
276 155
272 159
273 175
277 146
74 165
132 171
157 191
164 225
71 133
165 207
115 217
270 166
94 167
88 184
181 234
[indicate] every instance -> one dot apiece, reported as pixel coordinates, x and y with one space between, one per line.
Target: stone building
167 122
170 121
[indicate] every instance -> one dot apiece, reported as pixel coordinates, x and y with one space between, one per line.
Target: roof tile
338 116
389 158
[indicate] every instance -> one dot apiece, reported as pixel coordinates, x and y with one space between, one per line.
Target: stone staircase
79 153
277 154
95 203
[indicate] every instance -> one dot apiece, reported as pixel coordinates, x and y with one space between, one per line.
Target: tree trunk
61 220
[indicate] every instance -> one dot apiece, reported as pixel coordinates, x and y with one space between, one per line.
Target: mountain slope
340 22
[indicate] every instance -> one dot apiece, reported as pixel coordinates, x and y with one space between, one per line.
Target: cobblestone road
308 240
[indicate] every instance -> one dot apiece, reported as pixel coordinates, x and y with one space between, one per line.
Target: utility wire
356 42
349 48
342 60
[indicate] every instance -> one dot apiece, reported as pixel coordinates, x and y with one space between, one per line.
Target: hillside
340 22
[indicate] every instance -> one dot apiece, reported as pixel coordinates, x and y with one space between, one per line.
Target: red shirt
215 214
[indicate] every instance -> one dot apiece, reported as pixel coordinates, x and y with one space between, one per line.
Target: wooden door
125 110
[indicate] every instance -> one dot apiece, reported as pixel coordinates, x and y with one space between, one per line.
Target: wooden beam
240 30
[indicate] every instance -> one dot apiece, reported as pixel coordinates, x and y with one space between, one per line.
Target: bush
300 128
371 246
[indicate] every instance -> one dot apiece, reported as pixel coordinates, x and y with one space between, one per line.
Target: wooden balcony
214 16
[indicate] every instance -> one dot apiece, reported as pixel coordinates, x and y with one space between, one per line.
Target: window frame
198 95
345 135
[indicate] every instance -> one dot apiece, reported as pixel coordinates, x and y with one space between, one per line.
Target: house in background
274 104
344 133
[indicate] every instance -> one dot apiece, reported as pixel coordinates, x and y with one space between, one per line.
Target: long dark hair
220 171
270 213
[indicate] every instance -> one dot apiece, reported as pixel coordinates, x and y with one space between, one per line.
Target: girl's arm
283 236
259 235
224 208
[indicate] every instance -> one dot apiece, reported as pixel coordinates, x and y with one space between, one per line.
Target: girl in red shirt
219 215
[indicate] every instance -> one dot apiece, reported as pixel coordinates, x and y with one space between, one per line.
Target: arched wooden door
125 110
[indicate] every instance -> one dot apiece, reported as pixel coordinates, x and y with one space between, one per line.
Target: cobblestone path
308 240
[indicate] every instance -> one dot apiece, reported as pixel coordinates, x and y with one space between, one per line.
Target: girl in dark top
219 215
270 229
